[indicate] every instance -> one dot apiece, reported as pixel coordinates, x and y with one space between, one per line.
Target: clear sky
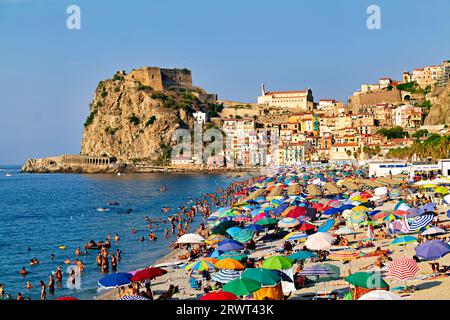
48 73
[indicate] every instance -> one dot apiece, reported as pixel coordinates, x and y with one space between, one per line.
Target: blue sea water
45 211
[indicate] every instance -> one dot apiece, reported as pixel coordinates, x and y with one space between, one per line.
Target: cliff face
440 106
127 123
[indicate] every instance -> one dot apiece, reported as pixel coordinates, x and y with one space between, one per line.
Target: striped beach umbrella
136 297
292 236
345 255
288 223
403 268
316 271
357 216
421 222
226 275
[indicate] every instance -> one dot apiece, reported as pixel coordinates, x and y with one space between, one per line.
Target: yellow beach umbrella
215 238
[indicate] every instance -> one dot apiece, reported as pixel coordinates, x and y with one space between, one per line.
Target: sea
39 213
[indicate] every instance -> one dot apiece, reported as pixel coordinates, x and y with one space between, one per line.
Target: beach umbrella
233 230
66 298
319 241
190 238
433 231
234 255
401 241
306 226
421 222
380 295
403 268
316 270
357 216
296 212
288 223
220 295
446 199
326 226
259 216
200 265
277 263
333 204
292 236
331 211
226 275
255 227
344 255
266 221
441 190
264 276
244 235
401 213
344 231
229 263
115 280
223 226
229 245
241 217
367 280
215 238
148 274
216 253
427 207
280 209
242 287
413 212
135 298
302 255
432 250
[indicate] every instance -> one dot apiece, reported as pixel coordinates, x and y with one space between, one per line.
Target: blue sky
49 73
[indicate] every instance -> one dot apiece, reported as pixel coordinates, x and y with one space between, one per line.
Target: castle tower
263 90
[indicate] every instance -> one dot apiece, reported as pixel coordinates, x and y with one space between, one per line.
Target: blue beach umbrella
255 227
432 250
115 280
229 245
233 230
326 226
331 211
216 253
302 255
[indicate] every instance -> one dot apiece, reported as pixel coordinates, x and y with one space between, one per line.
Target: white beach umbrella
191 238
344 231
447 199
433 230
380 295
381 191
319 241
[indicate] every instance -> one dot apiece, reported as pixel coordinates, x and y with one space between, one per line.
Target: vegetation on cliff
434 146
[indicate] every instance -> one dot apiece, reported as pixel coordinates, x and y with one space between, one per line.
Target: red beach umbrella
401 213
148 274
221 295
66 298
306 226
296 212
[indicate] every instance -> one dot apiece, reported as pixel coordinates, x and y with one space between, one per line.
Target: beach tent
271 292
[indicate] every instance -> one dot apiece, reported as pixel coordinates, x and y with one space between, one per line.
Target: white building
201 117
301 100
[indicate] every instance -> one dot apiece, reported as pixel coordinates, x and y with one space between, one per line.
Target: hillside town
289 127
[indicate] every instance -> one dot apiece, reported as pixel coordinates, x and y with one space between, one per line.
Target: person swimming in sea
29 285
34 261
163 188
23 271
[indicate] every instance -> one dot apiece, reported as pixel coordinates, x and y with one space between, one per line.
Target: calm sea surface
45 211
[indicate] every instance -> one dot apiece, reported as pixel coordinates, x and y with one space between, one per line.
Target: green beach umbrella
368 280
242 287
266 221
222 227
277 263
265 276
233 255
404 240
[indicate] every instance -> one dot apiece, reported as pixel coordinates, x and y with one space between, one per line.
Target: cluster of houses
288 127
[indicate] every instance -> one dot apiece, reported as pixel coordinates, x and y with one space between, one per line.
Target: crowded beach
315 232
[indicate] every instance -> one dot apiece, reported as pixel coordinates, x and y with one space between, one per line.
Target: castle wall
149 76
372 98
176 77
